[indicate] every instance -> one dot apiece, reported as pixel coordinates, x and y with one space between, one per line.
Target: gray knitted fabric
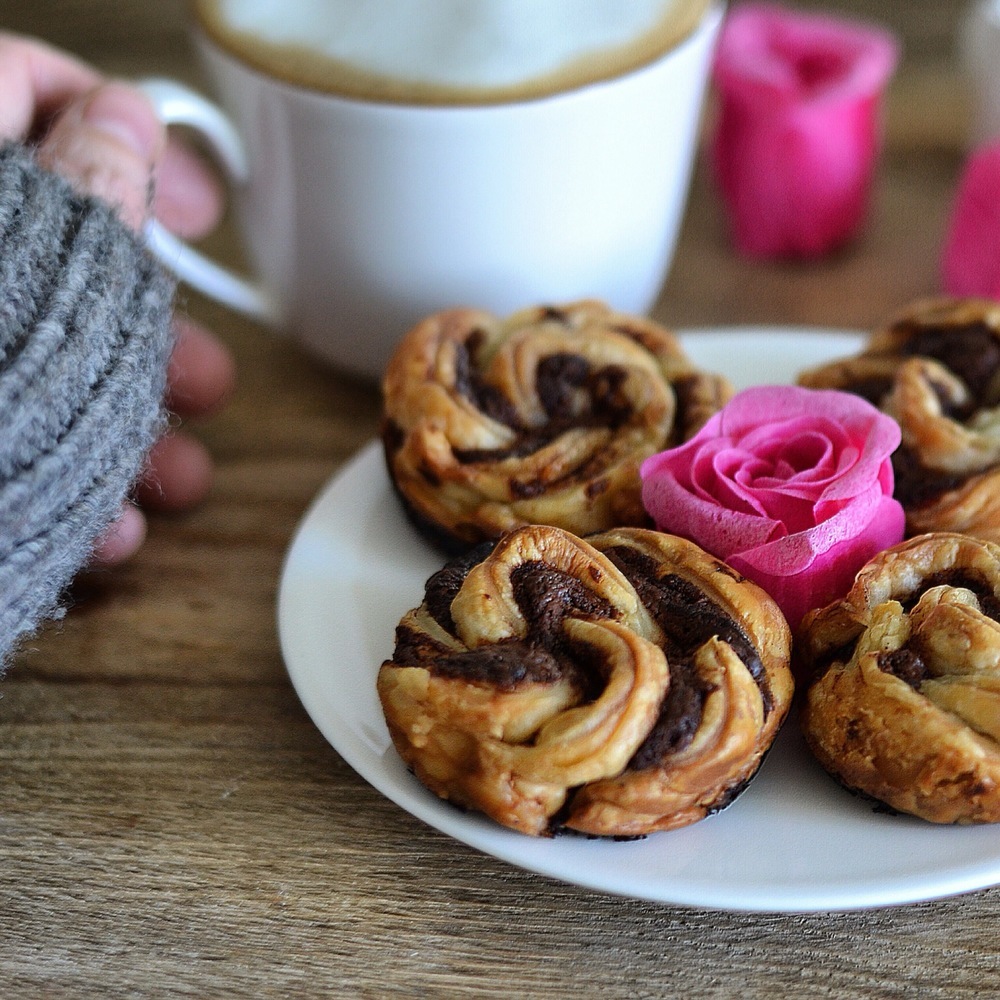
84 343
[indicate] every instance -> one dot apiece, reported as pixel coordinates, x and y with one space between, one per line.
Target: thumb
108 144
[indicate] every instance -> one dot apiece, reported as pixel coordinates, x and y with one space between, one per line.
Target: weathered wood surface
172 823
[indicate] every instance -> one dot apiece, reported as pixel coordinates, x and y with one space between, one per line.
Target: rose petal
800 551
795 57
675 510
827 576
971 256
771 412
789 485
797 134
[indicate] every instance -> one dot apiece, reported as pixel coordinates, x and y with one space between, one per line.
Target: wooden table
173 824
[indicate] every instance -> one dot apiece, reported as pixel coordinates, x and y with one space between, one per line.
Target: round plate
793 841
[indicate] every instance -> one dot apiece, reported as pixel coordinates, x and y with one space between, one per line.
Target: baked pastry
543 417
614 686
936 370
904 699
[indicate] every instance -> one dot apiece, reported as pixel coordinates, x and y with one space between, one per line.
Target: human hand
105 137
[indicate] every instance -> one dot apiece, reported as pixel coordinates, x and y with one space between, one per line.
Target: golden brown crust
936 370
543 417
614 686
904 704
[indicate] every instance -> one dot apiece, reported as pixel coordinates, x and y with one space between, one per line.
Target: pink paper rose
791 487
798 132
971 258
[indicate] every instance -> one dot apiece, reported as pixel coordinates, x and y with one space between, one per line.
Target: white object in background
979 52
361 218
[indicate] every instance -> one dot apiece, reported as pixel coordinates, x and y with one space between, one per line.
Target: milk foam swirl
476 44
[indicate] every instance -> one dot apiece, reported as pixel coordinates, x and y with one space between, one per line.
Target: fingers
106 139
179 477
36 81
189 196
42 85
201 377
122 541
179 474
50 96
202 373
108 144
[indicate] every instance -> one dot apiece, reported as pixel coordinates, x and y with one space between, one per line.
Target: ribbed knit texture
85 335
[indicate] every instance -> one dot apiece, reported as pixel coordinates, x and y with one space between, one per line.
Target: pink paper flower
791 487
798 132
971 259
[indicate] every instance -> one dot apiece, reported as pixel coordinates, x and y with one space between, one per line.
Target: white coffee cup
360 217
979 45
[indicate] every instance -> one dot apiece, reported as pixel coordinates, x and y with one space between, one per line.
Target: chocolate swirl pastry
615 686
936 370
904 703
540 418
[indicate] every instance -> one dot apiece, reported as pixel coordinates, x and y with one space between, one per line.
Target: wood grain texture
172 823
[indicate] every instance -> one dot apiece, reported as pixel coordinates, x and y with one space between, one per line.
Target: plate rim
489 838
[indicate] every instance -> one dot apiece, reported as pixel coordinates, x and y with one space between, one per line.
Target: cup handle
177 104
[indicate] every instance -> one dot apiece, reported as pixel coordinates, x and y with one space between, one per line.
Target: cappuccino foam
448 50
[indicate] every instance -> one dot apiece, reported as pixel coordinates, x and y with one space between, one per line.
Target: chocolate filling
470 384
415 648
906 663
557 379
872 389
572 392
989 604
393 437
546 596
503 665
442 586
972 353
688 618
914 483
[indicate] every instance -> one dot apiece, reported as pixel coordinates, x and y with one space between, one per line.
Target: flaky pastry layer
904 698
542 417
615 686
936 370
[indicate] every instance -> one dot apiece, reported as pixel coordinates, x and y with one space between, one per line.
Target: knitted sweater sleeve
85 335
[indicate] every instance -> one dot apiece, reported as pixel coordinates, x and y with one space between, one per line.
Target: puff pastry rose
615 686
904 703
936 371
542 417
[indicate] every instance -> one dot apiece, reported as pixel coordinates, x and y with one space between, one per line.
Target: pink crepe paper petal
675 510
756 413
743 488
798 132
830 575
971 257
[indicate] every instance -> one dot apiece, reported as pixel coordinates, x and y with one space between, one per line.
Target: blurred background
926 129
124 34
119 31
107 25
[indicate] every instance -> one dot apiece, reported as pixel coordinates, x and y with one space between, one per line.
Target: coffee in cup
392 158
447 51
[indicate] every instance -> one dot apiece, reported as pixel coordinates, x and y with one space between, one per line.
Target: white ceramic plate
793 841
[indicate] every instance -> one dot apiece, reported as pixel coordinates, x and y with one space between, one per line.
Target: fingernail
127 116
